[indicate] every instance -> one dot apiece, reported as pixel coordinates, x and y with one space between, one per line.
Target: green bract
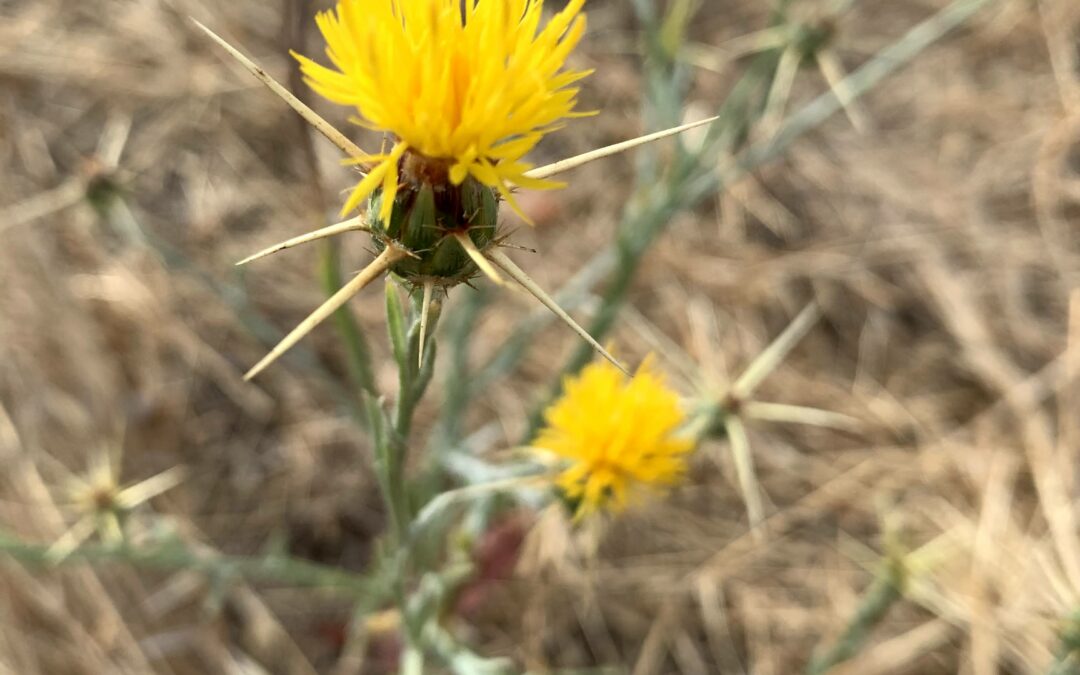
425 220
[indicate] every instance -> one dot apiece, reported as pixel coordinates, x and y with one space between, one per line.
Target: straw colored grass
941 244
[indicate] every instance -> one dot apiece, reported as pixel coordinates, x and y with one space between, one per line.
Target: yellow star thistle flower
466 88
615 434
470 85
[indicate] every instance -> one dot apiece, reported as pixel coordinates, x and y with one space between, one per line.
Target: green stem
391 440
1067 660
118 215
459 381
356 347
397 494
414 379
886 590
389 452
638 234
648 217
175 554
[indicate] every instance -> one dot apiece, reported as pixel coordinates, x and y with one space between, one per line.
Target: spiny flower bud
429 213
471 89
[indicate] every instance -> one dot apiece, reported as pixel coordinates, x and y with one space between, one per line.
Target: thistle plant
462 92
101 505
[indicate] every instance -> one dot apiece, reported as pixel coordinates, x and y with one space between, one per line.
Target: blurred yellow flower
614 434
469 85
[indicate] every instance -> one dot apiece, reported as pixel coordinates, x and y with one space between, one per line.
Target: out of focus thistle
101 504
463 91
612 436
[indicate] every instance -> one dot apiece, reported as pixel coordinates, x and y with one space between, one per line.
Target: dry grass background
942 244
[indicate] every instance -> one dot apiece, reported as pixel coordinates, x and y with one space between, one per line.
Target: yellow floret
476 83
614 434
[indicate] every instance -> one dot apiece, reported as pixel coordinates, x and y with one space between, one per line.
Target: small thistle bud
428 215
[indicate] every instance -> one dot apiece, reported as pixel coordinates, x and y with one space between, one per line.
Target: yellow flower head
615 434
471 85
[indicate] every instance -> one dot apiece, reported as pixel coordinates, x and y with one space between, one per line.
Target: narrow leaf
425 310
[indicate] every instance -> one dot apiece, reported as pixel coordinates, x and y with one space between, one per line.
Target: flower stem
1067 660
175 554
357 353
876 602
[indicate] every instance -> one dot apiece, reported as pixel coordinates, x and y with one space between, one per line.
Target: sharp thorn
477 257
607 151
309 115
517 274
516 247
425 307
770 357
349 225
390 255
